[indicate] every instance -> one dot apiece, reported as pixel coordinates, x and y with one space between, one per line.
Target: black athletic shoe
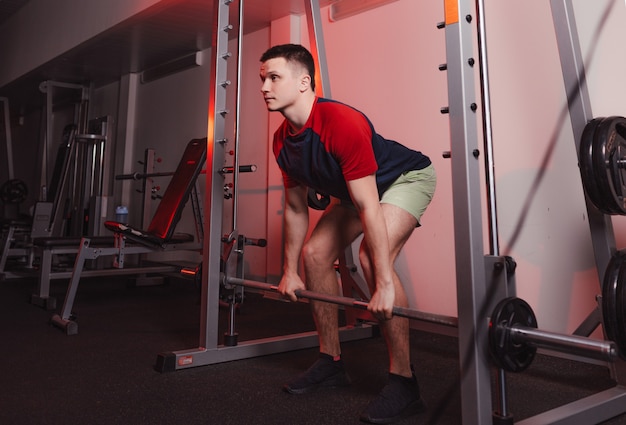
325 372
399 399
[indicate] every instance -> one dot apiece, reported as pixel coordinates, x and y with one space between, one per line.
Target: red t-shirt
337 144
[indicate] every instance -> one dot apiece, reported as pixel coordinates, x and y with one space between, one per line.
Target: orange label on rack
185 361
451 10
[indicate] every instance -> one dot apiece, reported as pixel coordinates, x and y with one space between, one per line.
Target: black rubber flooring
105 374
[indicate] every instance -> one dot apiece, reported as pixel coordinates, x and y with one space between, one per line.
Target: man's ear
305 82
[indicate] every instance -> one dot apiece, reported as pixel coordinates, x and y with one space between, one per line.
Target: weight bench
158 237
14 241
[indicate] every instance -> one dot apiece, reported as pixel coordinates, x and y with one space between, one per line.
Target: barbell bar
570 344
225 170
511 332
348 302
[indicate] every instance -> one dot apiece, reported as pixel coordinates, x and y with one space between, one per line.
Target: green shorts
412 191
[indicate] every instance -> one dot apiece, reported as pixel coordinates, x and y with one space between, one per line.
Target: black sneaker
325 372
399 399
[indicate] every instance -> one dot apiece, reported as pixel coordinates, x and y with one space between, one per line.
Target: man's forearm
296 227
375 236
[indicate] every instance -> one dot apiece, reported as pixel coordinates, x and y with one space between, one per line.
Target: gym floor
105 374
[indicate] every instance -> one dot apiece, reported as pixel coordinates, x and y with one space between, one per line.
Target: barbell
513 335
514 338
347 301
224 170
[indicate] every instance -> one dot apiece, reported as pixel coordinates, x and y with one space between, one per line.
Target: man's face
281 83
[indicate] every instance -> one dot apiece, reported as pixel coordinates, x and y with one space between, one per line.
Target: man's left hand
381 304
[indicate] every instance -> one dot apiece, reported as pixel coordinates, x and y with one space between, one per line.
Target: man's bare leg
334 232
401 396
400 226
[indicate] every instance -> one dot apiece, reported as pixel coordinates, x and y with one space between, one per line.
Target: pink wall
398 85
384 62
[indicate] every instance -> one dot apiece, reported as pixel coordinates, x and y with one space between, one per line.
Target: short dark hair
293 53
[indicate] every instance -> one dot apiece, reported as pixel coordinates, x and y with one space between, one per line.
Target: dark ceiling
9 7
156 36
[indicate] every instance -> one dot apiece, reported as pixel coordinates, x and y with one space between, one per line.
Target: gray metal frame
477 299
209 350
471 274
8 139
612 402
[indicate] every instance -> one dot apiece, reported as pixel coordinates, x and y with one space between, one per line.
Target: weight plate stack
586 167
608 147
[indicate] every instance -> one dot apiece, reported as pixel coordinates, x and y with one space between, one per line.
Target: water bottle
121 214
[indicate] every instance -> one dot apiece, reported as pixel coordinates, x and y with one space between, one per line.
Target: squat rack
482 280
209 351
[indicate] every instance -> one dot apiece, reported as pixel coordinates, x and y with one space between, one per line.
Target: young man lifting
379 188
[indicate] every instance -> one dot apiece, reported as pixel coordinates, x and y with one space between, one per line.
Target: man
379 188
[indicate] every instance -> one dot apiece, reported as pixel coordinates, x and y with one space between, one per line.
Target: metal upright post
214 198
210 350
468 228
318 49
573 68
9 141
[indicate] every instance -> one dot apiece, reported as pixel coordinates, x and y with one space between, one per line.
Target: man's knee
316 256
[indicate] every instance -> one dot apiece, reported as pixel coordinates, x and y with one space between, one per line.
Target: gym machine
223 258
512 336
494 327
223 253
74 199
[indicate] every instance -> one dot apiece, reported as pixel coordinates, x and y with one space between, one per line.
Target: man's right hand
289 284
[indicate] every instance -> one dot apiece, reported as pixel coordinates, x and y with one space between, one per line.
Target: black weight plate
586 166
13 191
617 169
604 153
609 296
507 354
620 305
614 301
598 155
